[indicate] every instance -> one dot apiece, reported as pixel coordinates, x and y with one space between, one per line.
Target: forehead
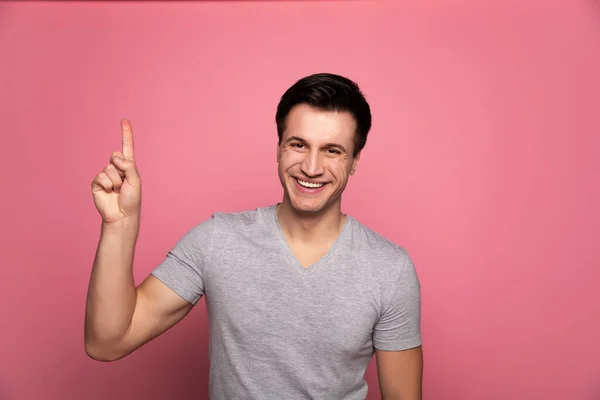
318 126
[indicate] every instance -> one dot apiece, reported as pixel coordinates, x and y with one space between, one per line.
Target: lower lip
309 190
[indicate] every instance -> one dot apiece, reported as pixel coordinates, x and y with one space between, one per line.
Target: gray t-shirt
282 331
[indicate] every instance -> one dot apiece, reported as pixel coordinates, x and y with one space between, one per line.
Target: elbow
102 352
98 355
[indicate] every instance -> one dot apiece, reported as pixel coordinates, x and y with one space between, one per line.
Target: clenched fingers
115 176
114 157
102 182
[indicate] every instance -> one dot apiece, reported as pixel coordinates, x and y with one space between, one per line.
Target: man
299 295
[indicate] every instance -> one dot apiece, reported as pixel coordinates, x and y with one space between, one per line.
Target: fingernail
118 160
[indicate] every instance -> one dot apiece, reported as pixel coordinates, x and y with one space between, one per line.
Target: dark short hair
327 92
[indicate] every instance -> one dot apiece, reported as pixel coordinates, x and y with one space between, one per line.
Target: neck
318 227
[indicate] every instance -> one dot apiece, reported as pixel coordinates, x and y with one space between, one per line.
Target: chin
308 206
307 209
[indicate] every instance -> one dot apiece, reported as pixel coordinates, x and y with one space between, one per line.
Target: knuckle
104 178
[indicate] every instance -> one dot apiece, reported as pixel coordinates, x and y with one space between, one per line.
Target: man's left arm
400 374
397 338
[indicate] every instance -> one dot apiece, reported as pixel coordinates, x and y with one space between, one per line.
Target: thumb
129 168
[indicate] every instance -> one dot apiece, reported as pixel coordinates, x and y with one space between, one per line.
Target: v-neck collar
344 232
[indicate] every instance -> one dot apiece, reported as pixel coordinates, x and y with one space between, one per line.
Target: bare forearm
400 374
412 396
111 293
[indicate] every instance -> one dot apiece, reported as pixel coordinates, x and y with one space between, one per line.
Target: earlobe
355 164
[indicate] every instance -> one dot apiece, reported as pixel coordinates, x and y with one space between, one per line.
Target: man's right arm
119 316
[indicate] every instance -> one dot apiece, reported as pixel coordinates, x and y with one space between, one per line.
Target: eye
298 145
334 151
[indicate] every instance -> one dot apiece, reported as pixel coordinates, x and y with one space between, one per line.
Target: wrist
127 225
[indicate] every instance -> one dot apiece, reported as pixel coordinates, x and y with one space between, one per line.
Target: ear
278 152
355 164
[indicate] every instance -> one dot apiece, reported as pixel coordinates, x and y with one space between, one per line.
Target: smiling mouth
309 185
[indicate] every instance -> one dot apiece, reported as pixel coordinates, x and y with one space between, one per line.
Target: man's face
315 157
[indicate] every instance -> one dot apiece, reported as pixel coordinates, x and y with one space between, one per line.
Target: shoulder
221 221
241 220
387 265
385 258
371 243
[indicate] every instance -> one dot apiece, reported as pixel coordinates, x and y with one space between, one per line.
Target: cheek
289 158
339 168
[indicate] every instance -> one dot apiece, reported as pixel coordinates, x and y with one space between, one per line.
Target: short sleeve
399 325
183 268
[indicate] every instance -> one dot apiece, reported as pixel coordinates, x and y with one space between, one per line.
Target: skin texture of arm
120 317
400 374
152 309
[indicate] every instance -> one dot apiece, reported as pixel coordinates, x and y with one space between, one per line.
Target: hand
117 190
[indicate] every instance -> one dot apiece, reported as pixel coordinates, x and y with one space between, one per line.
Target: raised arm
120 317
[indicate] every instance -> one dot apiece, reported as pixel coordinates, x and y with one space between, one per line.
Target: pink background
482 162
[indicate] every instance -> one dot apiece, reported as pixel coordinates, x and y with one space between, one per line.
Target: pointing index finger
127 139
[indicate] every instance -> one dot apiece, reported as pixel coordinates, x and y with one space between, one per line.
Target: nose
312 165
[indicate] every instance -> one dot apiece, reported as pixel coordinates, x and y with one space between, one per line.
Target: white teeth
310 185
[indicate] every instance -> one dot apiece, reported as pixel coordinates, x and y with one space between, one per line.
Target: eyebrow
299 139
